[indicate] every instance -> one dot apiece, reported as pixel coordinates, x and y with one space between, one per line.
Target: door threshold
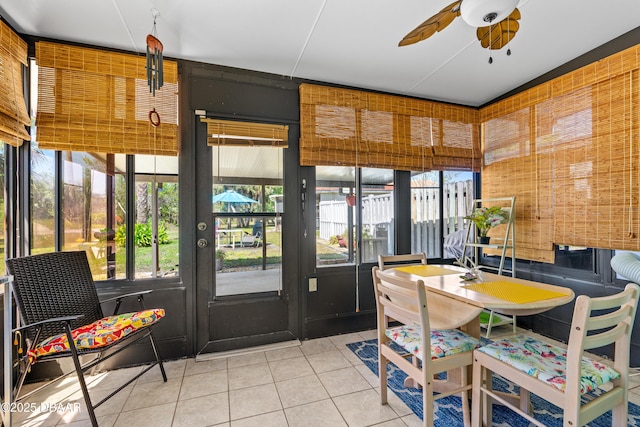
248 350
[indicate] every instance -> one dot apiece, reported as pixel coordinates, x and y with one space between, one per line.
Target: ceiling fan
497 22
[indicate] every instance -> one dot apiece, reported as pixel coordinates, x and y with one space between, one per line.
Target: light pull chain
509 35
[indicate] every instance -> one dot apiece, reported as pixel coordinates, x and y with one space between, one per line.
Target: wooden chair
390 261
561 376
405 301
441 318
58 304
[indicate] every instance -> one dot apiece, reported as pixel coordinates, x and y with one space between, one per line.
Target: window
248 211
93 210
43 200
87 207
2 210
439 235
377 214
342 234
156 235
335 210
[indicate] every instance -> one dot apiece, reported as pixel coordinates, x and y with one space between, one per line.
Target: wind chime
155 79
154 58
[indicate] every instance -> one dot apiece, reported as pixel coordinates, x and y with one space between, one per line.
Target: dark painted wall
332 309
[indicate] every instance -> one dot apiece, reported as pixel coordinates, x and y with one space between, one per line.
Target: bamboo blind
355 128
98 101
576 169
229 132
13 111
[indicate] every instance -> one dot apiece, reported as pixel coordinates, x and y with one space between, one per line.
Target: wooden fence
377 217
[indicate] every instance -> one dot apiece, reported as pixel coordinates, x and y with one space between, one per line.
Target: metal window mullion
130 220
58 203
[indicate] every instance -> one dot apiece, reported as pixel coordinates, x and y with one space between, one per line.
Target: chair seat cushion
98 334
547 363
443 342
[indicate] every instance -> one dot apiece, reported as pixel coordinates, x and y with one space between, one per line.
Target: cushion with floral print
443 342
547 362
100 333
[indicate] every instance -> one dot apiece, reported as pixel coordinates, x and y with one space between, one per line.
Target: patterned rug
448 411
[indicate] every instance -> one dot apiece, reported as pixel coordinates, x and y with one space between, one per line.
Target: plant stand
471 257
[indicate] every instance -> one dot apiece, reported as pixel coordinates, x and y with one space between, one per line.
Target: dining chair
564 377
441 318
413 347
61 316
389 261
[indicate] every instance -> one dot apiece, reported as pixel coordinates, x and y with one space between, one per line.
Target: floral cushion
98 334
443 342
547 362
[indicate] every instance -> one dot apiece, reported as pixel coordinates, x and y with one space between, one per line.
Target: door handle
202 243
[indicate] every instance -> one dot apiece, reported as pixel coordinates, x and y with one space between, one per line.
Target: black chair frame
54 294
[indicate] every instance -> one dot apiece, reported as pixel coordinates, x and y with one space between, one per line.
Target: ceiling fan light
481 13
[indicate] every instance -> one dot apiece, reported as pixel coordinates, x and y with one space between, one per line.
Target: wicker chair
58 304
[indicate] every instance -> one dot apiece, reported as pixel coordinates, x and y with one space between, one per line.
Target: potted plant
221 255
487 218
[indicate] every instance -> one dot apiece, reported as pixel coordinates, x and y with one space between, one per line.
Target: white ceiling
349 42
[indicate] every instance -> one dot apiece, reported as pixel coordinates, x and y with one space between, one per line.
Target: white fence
377 216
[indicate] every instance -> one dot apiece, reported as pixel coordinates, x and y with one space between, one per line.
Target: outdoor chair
564 377
58 304
405 303
254 240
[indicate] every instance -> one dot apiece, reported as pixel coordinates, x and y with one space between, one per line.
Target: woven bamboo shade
13 111
229 132
356 128
98 101
576 169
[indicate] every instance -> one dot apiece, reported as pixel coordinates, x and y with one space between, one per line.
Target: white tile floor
319 383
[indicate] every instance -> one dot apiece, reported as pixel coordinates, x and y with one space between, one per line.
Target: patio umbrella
232 196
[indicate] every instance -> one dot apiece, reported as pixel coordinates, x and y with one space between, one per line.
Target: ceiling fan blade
498 35
436 23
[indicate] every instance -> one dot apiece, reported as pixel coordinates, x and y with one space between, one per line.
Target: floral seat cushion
443 342
98 334
547 362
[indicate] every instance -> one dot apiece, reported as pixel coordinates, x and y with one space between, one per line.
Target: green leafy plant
143 236
487 218
221 254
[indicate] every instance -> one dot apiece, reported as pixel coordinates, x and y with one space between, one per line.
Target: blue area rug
448 410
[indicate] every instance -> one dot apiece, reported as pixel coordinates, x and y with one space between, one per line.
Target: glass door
240 241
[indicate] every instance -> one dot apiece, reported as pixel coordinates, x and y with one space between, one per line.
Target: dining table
455 302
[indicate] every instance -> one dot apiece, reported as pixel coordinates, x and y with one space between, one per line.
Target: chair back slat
390 261
53 285
605 338
612 301
401 298
608 320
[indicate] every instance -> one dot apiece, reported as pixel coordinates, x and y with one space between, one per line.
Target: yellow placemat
426 270
514 292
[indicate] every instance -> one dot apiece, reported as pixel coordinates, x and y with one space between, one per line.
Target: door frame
243 321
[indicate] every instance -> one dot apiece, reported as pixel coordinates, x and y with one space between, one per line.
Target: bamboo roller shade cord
13 110
569 150
91 100
343 127
230 132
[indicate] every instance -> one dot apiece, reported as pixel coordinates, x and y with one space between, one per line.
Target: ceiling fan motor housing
480 13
